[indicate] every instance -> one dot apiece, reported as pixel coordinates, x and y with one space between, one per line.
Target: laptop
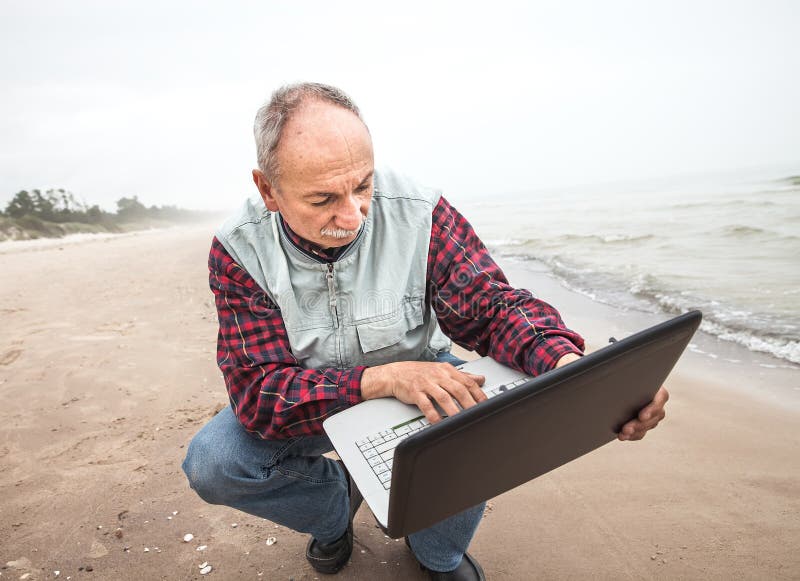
413 474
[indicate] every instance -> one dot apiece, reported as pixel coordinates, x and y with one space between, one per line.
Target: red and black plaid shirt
274 397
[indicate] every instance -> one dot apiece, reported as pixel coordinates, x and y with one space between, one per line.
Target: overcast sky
156 99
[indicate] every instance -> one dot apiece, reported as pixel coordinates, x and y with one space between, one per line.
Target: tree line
60 205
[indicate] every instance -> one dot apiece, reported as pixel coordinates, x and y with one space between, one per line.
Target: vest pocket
384 338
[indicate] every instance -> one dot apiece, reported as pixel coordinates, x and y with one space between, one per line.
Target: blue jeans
290 483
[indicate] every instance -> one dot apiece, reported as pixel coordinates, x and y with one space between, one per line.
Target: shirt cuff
350 386
545 356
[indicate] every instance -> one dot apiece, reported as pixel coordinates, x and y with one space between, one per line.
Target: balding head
273 116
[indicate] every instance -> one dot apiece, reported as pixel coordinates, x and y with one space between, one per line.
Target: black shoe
468 570
330 558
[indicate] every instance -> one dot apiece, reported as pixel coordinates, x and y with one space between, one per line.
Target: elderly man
342 284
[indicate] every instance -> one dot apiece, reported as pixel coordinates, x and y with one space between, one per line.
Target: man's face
326 167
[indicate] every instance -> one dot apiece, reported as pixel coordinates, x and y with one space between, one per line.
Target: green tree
130 208
20 205
94 215
43 206
65 206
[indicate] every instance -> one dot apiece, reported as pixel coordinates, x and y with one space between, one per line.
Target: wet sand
107 370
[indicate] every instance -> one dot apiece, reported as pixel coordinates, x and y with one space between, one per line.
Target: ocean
728 245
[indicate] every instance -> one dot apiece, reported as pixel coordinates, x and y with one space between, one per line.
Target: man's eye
321 202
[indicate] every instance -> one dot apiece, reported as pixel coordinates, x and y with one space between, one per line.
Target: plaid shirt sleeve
477 308
272 396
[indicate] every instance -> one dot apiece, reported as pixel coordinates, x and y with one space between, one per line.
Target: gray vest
368 307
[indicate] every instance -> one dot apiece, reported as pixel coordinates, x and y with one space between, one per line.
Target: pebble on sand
187 537
205 570
271 541
201 548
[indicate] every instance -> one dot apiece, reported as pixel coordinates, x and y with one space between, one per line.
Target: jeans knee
201 470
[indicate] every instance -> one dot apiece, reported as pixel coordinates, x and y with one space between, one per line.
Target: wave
782 348
721 204
723 321
740 230
606 239
505 242
569 238
645 292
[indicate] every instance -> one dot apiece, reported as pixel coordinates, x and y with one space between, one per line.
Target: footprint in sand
10 356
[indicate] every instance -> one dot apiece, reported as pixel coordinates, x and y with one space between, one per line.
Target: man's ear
265 189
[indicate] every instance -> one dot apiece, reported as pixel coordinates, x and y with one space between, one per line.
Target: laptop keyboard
378 449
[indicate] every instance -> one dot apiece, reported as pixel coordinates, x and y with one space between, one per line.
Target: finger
635 430
656 406
478 394
627 430
478 379
459 392
650 422
637 436
655 420
445 400
474 383
632 436
464 387
426 407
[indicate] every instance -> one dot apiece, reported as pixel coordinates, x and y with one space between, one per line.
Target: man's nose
348 215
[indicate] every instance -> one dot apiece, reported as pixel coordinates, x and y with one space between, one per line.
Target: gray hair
274 114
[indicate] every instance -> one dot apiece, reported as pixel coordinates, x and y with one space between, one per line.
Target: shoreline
78 238
107 370
12 233
716 360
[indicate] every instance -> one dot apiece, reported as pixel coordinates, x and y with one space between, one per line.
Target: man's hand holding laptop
420 383
648 417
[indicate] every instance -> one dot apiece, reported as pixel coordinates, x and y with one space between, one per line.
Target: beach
107 370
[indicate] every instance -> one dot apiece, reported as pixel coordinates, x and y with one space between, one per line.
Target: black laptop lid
516 436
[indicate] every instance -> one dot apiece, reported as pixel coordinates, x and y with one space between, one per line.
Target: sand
107 370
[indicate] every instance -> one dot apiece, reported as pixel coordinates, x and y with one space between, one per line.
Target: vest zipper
332 296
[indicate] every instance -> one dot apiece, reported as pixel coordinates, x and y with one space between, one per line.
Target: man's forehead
317 121
323 140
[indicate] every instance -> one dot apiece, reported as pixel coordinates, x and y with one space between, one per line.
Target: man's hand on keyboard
420 382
